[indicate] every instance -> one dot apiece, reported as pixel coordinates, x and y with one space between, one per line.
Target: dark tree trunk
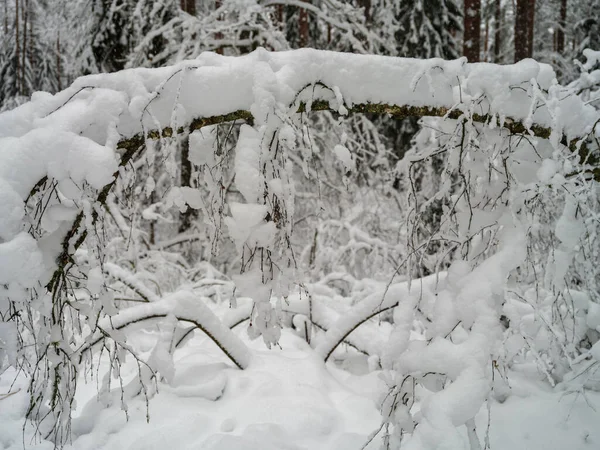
58 68
189 6
218 36
366 4
186 218
5 17
530 24
521 30
562 25
497 30
472 25
18 52
25 6
486 38
303 25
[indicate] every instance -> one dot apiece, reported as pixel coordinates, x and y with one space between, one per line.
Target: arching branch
184 307
196 325
135 144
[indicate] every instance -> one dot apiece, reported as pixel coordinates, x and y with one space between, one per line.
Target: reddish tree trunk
472 25
303 24
562 25
189 6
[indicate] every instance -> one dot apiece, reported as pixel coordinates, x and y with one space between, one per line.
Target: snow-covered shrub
80 263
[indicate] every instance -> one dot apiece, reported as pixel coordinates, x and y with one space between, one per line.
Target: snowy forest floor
288 399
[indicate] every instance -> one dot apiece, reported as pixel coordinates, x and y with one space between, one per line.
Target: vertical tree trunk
303 25
521 30
530 26
486 39
366 4
5 17
280 16
152 237
186 218
189 6
219 50
472 25
17 52
497 30
58 68
562 25
25 6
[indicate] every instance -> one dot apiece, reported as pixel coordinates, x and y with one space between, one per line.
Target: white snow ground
286 400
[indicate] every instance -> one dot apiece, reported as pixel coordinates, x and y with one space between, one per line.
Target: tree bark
562 25
497 30
530 26
25 6
303 25
218 36
18 52
472 25
279 15
521 30
189 6
366 4
5 17
58 68
186 218
486 38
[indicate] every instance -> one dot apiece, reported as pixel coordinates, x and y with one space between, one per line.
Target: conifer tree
27 57
428 29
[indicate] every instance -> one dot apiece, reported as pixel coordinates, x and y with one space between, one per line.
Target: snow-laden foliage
89 186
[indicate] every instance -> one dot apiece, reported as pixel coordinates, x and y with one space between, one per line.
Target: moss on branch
396 111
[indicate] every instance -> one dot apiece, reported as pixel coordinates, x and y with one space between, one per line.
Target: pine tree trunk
562 25
366 4
5 17
303 25
472 25
58 68
280 15
497 30
530 26
486 56
521 30
218 36
25 6
17 52
189 6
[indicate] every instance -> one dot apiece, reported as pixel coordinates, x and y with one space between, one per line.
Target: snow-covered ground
287 399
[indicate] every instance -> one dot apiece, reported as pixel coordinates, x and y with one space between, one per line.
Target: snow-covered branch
185 307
